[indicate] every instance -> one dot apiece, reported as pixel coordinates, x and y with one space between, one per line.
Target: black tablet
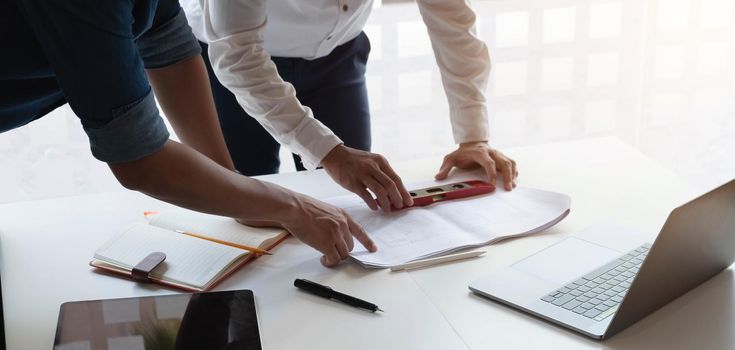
216 320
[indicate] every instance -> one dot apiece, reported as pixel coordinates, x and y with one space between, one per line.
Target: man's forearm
464 63
180 175
185 96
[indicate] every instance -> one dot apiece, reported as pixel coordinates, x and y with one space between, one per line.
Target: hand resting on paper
360 171
322 226
473 154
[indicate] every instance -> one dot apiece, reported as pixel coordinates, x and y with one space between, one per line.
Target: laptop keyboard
598 294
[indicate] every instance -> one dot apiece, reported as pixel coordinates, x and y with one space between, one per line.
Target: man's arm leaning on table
464 63
178 174
101 70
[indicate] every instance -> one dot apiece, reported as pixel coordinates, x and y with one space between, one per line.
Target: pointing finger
361 235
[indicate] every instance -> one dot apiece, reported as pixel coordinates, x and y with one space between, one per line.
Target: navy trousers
332 86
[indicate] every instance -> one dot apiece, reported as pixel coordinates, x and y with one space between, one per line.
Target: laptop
605 278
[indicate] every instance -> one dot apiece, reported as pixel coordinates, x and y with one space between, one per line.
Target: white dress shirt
240 43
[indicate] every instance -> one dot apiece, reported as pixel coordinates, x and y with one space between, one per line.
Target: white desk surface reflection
47 244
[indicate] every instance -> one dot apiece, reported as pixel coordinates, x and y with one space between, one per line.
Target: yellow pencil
215 240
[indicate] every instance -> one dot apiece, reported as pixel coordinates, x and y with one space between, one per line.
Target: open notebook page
219 227
422 232
190 261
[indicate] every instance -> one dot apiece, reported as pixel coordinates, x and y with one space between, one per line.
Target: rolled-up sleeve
168 43
93 51
136 130
234 31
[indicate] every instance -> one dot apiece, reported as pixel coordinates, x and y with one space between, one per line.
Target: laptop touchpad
566 261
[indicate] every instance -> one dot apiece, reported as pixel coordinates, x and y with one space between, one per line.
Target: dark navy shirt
93 55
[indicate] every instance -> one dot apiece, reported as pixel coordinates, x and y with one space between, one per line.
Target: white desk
46 245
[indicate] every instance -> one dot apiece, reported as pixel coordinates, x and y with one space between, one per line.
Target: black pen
329 293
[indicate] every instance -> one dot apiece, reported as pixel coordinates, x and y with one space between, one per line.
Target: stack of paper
418 233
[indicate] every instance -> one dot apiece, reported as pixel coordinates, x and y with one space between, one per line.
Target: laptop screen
217 320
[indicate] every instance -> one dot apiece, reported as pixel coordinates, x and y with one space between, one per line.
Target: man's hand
326 228
322 226
358 171
473 154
